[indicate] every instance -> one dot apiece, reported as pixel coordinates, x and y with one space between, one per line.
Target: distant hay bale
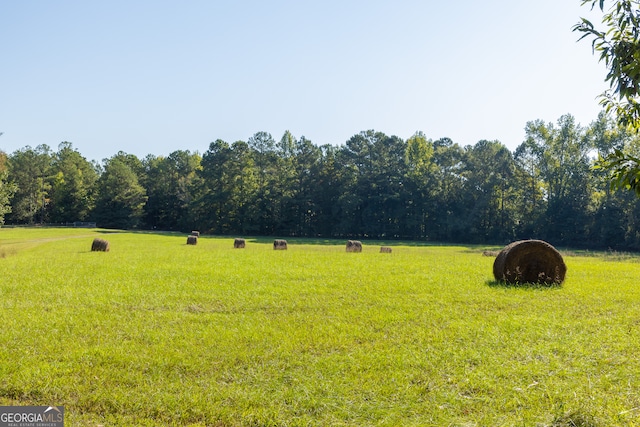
490 253
239 243
385 250
280 245
99 245
195 233
529 261
354 246
192 240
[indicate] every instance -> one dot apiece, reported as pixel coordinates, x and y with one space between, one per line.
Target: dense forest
373 186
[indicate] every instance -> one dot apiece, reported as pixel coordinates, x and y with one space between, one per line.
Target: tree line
372 186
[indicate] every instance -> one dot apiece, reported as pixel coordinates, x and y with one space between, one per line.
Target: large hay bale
529 261
280 245
354 246
195 233
192 240
385 250
99 245
239 243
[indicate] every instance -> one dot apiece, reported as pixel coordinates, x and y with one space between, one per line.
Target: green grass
156 332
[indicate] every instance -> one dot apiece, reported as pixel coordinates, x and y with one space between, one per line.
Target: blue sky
152 77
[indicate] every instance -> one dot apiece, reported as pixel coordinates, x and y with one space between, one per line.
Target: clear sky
155 76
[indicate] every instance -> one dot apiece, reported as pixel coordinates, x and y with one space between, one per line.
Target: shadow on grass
111 231
299 240
327 241
524 285
575 419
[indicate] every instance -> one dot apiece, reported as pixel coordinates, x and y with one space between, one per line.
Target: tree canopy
372 186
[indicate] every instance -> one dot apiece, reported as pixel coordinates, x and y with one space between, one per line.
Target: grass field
156 332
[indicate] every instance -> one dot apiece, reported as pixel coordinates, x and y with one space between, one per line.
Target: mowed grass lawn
156 333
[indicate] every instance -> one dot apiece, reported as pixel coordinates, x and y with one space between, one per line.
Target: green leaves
73 185
29 169
619 48
624 169
7 190
122 198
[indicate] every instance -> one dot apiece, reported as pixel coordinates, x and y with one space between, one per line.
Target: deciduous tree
73 185
488 192
30 171
7 189
618 45
560 166
121 199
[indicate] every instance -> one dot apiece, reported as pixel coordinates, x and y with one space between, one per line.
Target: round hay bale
99 245
239 243
385 250
529 261
279 245
195 233
192 240
354 246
